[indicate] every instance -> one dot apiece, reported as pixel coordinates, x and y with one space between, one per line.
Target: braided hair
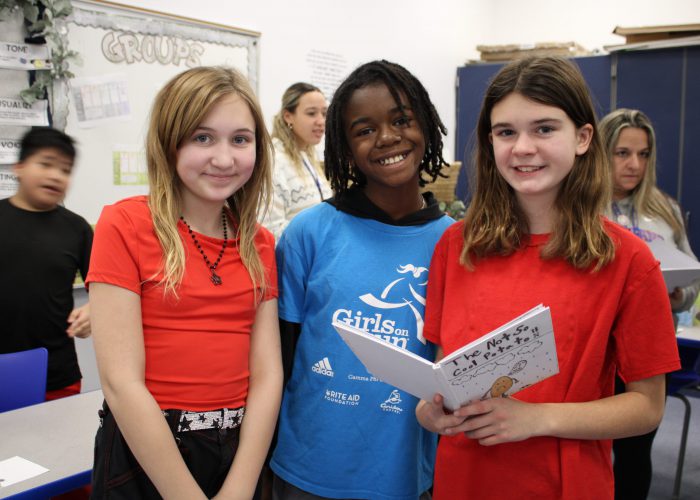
339 168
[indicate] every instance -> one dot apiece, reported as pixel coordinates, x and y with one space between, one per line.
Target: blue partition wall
664 84
689 195
652 81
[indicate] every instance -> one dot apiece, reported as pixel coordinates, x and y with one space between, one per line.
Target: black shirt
355 202
40 253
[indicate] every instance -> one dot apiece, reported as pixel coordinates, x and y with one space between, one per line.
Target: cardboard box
444 187
501 53
653 33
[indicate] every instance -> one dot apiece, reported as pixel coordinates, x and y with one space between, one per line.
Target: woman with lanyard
297 179
651 214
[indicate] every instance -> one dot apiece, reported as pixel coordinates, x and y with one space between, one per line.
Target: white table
688 334
58 435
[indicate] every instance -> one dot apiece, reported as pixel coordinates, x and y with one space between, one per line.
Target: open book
500 363
679 269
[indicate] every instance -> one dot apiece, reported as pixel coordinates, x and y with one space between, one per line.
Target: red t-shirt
616 319
196 345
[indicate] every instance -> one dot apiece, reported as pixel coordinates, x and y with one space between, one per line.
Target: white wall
589 23
430 38
430 42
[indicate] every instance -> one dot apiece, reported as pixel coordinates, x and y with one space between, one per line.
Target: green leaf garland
48 23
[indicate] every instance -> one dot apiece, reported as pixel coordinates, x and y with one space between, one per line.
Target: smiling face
535 146
218 157
385 140
43 179
309 119
630 158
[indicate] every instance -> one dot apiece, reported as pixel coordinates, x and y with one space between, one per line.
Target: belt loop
173 419
103 412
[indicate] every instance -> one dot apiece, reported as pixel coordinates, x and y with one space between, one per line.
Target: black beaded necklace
215 278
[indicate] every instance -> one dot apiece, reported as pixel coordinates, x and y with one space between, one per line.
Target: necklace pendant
215 278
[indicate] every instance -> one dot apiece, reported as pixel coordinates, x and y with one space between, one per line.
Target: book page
504 361
391 364
679 269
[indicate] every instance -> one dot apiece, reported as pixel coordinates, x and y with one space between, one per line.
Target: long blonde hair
281 130
494 224
178 109
647 199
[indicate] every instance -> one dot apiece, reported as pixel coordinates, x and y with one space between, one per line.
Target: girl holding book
533 234
640 206
361 258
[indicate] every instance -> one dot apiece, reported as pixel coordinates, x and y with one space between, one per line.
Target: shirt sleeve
266 250
436 291
114 257
644 332
293 268
690 292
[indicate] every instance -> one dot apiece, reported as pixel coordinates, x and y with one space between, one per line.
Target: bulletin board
127 55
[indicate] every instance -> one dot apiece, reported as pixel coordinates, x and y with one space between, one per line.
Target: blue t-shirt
343 433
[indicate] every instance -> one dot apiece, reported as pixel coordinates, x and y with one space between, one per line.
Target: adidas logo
323 367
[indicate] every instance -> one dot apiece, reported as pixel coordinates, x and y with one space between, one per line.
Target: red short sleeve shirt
618 318
197 344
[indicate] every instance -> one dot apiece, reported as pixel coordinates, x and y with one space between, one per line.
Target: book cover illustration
505 361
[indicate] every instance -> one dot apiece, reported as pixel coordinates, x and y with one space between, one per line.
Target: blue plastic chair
23 376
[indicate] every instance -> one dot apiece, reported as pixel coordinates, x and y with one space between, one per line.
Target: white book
500 363
679 269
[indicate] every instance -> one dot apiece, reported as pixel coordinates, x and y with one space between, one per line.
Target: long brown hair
178 109
494 223
648 199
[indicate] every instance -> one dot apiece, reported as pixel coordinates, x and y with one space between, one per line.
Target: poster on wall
100 99
129 166
9 151
17 112
128 55
8 182
24 56
327 70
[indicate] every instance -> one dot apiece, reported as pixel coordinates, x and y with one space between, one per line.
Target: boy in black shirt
43 245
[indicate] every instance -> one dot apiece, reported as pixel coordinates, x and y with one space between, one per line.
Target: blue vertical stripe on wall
472 81
652 81
690 192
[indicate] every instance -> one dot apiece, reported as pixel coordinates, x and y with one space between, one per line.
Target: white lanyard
314 176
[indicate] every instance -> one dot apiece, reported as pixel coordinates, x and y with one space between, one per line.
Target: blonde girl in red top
532 235
184 310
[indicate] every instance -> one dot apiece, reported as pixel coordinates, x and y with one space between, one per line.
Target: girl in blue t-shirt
362 258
